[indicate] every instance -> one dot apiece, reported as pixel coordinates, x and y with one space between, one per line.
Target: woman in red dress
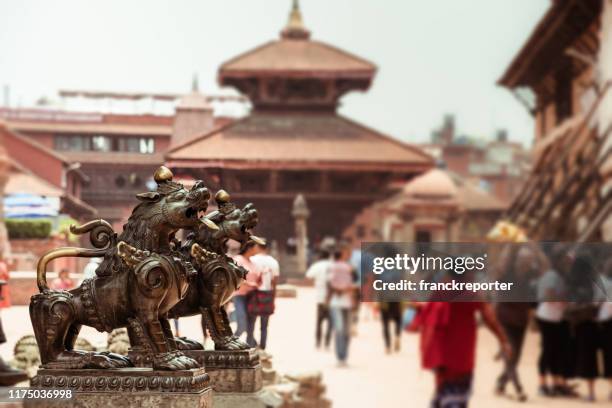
448 347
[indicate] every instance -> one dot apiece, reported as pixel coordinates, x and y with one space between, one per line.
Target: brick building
437 206
497 165
101 159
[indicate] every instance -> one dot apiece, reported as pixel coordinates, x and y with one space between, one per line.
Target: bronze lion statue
144 274
218 276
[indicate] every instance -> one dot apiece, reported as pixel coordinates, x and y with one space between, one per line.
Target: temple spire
295 25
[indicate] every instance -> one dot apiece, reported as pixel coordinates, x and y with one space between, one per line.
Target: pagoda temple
295 142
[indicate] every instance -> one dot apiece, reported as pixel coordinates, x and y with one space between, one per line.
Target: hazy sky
434 56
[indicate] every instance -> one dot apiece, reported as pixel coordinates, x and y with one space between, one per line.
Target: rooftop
299 140
294 54
22 180
564 21
435 184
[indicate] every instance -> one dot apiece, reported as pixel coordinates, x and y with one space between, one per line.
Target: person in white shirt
340 298
90 269
269 270
318 271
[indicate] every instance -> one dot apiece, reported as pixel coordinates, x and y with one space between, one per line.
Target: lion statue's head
233 223
160 214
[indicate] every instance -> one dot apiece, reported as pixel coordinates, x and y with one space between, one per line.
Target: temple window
300 181
102 143
253 182
345 183
136 145
74 143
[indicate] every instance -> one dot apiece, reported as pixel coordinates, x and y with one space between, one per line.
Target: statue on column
301 213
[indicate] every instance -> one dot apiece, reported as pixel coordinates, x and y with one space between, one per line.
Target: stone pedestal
127 387
236 377
230 371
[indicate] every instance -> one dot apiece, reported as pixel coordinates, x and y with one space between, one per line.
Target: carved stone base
129 387
231 371
258 399
212 359
237 371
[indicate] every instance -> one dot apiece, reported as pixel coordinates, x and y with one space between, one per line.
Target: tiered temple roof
299 140
295 84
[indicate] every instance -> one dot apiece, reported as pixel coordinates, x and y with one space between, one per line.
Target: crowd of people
574 322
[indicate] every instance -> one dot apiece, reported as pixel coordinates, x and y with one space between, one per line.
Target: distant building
39 167
562 77
101 158
294 141
498 166
438 206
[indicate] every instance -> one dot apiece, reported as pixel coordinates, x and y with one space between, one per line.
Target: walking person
355 262
582 314
319 271
250 283
340 299
554 331
448 347
90 269
262 299
391 313
8 375
63 281
522 265
604 317
5 299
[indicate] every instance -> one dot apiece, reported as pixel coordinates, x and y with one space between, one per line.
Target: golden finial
222 197
163 174
295 17
295 26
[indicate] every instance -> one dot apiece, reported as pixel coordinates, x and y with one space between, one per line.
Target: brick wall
42 163
33 249
25 253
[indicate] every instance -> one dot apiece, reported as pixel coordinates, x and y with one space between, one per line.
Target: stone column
300 213
4 169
